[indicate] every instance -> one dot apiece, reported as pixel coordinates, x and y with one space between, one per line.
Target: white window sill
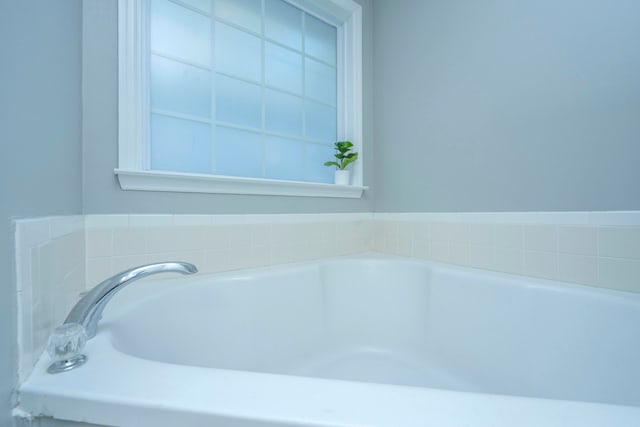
200 183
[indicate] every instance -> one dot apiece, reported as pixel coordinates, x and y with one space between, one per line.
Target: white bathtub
359 341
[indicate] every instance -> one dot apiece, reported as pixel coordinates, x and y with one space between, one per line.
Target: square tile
619 242
541 238
509 236
578 240
99 242
541 264
482 234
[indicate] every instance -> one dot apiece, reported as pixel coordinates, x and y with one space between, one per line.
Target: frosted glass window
320 81
264 105
180 145
180 32
283 158
246 13
180 88
320 39
283 68
203 5
315 156
320 122
283 113
239 153
283 23
238 102
238 53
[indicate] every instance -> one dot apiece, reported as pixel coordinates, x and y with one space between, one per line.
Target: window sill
200 183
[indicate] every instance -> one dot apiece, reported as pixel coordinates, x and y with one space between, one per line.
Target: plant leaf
347 162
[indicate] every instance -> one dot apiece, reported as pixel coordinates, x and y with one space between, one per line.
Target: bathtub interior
392 322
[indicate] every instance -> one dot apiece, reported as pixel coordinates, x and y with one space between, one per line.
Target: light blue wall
102 193
509 105
40 130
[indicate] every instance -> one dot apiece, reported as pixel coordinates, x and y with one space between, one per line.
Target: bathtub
366 340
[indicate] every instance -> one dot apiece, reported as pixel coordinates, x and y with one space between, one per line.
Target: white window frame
133 106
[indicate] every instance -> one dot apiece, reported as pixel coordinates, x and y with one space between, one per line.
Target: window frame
134 109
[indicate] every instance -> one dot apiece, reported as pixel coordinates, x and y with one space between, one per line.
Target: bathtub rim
206 395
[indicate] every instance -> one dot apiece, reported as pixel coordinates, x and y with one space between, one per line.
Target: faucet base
67 365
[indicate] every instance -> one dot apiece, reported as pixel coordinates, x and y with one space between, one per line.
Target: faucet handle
65 347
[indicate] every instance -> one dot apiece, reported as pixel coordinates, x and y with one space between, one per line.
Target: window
238 96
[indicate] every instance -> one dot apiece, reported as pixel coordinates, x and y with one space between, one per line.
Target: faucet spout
88 310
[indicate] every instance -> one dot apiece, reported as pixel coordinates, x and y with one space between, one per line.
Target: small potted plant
344 157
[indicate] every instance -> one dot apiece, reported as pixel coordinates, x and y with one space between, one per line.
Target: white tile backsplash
51 266
592 248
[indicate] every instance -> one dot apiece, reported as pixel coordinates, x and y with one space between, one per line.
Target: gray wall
501 105
40 132
102 193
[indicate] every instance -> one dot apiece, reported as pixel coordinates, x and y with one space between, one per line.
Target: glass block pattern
242 88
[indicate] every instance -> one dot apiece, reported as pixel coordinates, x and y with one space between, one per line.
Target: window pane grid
263 89
277 88
238 27
205 67
305 166
181 116
271 134
260 131
212 99
192 6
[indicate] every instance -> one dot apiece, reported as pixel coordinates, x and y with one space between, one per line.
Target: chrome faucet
88 311
67 340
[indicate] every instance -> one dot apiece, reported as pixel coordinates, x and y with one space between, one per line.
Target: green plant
344 155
